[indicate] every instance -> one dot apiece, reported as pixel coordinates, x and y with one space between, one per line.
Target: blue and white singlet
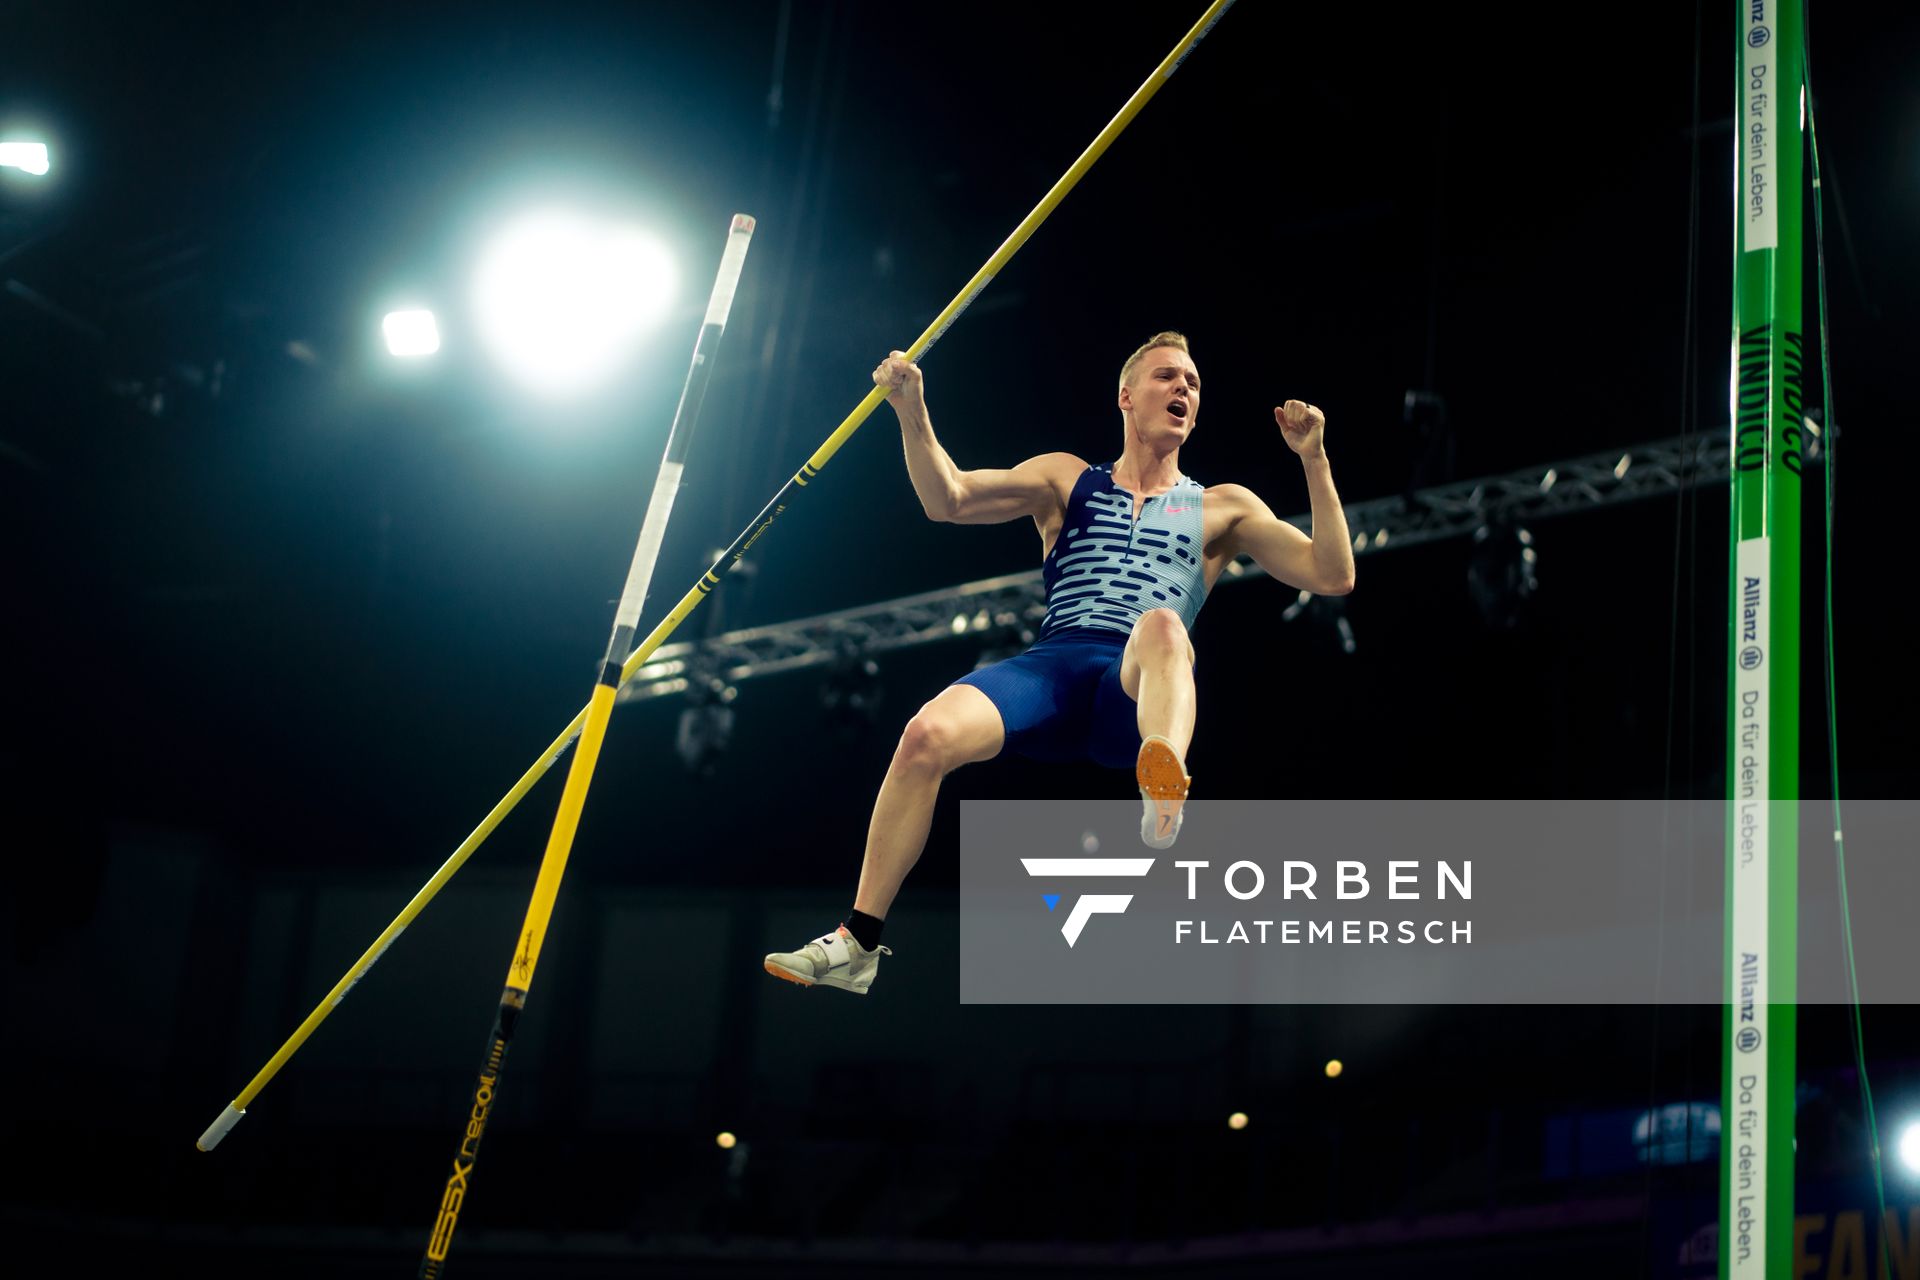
1106 568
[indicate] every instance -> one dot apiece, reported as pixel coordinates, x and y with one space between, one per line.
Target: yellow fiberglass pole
593 732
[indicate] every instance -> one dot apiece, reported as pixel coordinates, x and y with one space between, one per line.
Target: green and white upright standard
1763 705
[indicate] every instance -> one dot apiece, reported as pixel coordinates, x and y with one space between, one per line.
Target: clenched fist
901 377
1302 425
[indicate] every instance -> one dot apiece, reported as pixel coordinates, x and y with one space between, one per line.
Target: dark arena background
286 614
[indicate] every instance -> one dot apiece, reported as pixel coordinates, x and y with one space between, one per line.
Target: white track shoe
835 960
1163 792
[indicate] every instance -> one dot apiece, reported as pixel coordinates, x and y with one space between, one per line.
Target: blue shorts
1062 700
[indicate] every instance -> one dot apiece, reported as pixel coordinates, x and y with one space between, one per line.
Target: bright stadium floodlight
1910 1147
562 299
411 333
28 157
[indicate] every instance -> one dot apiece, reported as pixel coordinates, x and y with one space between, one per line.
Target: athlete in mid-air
1130 550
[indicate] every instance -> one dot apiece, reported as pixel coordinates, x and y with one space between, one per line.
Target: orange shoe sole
1159 771
784 976
1164 780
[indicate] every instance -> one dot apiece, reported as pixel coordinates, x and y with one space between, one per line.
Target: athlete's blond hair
1165 338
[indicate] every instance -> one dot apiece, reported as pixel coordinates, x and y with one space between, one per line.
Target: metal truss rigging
1013 604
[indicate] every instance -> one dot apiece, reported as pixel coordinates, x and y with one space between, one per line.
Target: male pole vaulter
1130 550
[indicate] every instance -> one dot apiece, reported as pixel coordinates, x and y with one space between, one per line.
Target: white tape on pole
220 1128
731 262
647 553
653 528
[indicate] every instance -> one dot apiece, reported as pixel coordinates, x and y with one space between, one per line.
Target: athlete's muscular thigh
1156 628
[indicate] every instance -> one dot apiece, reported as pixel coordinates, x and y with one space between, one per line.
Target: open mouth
1178 409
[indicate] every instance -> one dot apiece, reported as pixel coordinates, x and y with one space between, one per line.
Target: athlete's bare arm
1322 564
1033 488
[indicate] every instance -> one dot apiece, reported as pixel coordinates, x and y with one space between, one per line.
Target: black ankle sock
865 929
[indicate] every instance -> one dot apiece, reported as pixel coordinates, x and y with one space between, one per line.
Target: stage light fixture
705 728
28 157
1910 1147
1503 574
1009 641
852 695
1325 613
411 334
